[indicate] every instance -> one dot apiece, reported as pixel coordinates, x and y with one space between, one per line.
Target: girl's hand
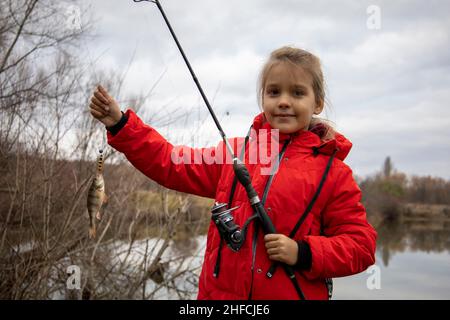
281 248
104 108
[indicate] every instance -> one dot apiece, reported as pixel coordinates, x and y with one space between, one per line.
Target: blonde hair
308 62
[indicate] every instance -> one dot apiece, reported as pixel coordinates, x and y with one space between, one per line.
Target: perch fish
96 197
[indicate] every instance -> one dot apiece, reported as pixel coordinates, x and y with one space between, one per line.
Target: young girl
312 199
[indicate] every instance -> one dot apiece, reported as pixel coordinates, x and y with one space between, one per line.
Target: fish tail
92 232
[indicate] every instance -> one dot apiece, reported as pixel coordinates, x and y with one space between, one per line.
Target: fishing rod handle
266 222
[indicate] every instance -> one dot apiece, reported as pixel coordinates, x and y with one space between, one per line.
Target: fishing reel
233 235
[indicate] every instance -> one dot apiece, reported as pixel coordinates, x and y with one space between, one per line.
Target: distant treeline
389 192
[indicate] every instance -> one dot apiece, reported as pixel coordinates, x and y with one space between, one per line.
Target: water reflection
413 257
425 235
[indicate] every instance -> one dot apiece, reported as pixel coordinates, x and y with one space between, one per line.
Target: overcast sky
388 88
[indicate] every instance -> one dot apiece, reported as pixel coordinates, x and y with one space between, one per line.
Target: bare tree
47 143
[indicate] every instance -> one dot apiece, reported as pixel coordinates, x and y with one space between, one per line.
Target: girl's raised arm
191 170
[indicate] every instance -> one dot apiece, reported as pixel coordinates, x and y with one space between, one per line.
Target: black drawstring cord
217 266
315 151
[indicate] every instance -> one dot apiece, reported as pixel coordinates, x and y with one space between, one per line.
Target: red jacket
341 240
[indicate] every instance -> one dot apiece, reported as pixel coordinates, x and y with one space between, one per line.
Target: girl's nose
284 103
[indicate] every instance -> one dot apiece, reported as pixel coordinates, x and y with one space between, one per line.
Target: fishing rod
239 168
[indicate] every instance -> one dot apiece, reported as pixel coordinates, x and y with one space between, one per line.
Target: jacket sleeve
190 170
348 243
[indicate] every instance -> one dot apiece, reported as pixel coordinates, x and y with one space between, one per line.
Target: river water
412 262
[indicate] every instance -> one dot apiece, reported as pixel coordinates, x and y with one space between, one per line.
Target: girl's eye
298 93
272 92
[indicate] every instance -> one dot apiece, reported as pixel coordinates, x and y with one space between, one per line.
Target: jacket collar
309 141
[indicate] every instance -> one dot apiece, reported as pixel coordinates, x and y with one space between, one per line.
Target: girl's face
288 98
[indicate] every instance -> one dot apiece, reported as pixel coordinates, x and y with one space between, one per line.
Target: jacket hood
312 140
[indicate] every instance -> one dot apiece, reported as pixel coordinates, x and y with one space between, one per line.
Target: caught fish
96 197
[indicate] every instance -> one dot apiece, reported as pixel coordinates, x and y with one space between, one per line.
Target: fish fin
105 201
98 215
